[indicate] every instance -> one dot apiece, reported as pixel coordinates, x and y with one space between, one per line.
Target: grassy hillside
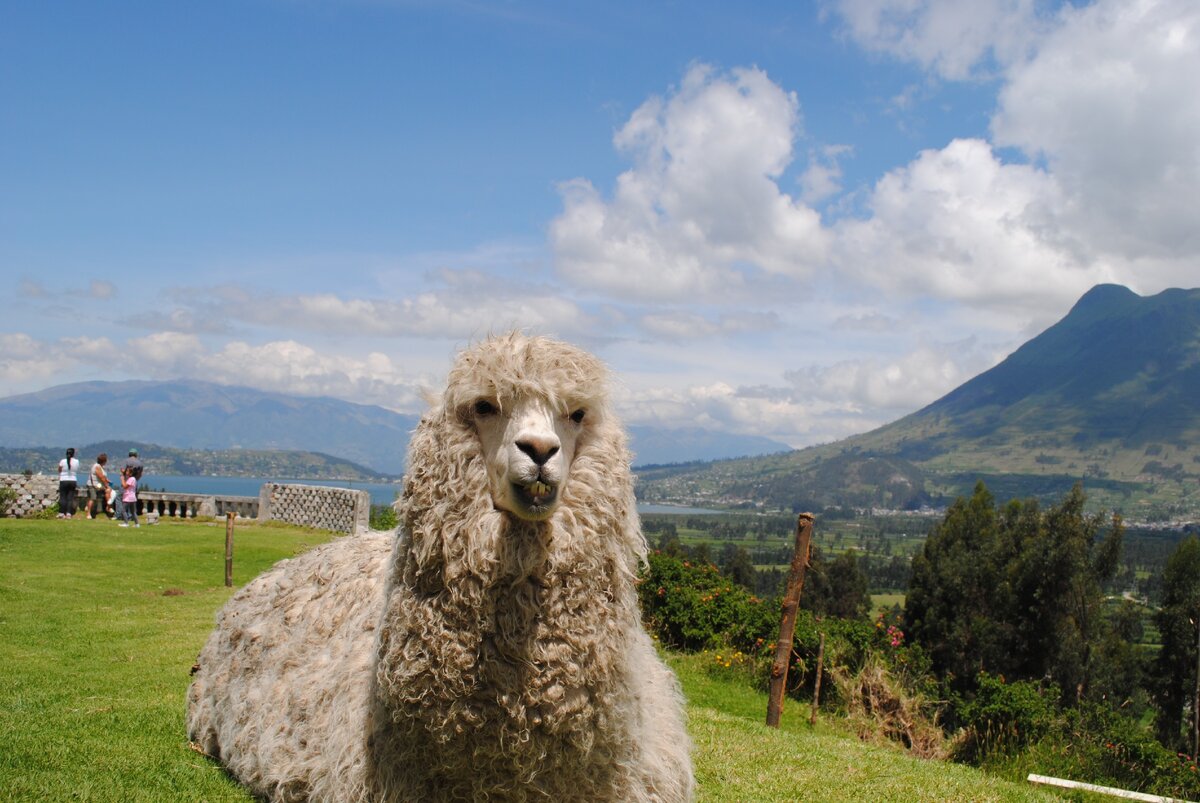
99 626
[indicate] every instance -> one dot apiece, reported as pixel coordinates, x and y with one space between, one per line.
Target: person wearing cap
132 463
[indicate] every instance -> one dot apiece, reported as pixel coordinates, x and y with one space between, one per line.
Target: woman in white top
67 484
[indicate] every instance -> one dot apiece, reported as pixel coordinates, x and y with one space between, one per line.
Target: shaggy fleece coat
473 656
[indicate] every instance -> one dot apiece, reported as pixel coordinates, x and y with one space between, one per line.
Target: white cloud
891 386
683 326
701 209
1109 102
823 177
956 39
290 367
27 363
164 353
469 304
284 366
958 224
98 289
101 289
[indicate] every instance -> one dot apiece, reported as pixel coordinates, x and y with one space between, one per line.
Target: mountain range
1109 396
196 415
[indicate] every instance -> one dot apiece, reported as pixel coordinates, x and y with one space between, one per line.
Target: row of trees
1017 591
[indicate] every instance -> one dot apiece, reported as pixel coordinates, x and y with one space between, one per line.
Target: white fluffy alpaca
494 650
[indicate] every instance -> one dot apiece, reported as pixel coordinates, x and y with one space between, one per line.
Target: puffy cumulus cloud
822 178
28 364
163 353
883 388
701 209
1109 102
959 224
956 39
290 367
722 407
1099 97
816 404
285 366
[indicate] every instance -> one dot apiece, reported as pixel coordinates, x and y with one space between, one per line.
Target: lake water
381 493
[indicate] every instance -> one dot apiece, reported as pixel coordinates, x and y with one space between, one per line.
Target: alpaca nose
539 450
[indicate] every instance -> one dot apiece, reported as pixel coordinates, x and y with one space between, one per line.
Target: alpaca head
520 442
529 403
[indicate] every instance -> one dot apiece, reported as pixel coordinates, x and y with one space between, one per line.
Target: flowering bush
690 606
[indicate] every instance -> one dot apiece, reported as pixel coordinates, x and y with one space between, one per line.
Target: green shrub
1001 717
45 513
688 605
382 517
691 606
7 497
1098 745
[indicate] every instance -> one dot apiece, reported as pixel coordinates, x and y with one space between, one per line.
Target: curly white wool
493 650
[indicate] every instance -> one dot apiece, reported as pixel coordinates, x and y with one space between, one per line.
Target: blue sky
798 220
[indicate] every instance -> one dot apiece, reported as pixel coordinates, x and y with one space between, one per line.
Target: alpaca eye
484 408
578 415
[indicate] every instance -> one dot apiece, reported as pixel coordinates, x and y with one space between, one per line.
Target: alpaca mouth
537 496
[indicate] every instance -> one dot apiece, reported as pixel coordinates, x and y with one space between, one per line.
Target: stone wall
340 509
34 493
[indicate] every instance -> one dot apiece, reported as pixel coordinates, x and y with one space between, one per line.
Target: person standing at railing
67 484
97 485
128 498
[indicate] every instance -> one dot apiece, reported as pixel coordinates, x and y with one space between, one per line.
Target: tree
737 566
1014 591
1174 671
836 588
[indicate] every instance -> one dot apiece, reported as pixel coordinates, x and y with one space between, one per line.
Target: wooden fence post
816 703
787 625
229 549
1196 699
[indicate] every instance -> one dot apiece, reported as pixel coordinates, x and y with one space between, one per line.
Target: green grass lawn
99 626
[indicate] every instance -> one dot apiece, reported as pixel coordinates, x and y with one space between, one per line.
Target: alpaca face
528 446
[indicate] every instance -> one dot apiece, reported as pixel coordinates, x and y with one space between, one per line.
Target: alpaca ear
446 498
602 486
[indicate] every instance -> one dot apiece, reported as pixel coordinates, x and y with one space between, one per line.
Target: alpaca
492 648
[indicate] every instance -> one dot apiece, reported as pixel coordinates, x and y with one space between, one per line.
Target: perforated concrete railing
34 493
340 509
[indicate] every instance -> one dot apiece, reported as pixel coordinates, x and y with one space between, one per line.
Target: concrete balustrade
339 509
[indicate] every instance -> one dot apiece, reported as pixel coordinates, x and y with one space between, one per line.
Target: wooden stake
1196 699
787 625
816 703
229 549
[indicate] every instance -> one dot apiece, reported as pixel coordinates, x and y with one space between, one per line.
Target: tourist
98 485
67 484
128 498
133 465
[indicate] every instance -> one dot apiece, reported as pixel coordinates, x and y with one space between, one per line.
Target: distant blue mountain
191 414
